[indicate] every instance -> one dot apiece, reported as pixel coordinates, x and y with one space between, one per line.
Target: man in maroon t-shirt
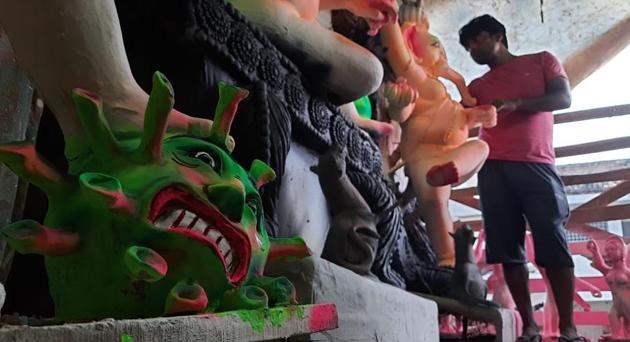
519 182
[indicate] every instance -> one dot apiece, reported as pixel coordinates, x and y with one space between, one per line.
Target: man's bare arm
557 96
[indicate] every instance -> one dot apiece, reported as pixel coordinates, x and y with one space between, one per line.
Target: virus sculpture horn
149 224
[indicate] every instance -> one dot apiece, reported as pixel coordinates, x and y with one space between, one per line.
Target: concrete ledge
233 326
368 310
503 320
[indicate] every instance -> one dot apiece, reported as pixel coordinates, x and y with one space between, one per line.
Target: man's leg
504 226
547 211
562 281
517 279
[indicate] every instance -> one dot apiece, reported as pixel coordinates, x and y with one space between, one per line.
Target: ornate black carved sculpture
204 41
352 239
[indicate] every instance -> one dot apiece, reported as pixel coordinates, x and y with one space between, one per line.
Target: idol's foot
442 175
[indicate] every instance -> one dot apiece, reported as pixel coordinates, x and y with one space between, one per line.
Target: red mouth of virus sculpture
176 210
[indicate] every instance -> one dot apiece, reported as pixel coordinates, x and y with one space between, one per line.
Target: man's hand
506 105
486 115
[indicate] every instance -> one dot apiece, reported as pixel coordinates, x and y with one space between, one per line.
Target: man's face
484 47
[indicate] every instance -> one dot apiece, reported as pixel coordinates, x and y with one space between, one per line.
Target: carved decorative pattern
270 69
218 20
339 130
368 157
320 117
294 94
355 146
245 48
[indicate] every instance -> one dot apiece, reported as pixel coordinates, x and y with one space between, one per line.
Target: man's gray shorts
512 192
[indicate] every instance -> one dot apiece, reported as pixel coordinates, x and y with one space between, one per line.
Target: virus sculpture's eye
252 203
195 156
206 158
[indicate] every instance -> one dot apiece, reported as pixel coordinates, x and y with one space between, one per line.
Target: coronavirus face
210 199
148 224
196 191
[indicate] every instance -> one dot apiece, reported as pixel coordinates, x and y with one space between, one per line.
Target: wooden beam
607 176
476 225
580 115
590 114
608 196
588 230
579 228
617 212
465 192
583 63
593 147
468 201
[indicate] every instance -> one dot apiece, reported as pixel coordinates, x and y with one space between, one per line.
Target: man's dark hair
480 24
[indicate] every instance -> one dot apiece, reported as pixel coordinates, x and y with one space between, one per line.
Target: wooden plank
587 230
580 228
606 176
608 196
617 212
581 115
584 62
465 192
476 225
593 147
590 114
468 201
243 325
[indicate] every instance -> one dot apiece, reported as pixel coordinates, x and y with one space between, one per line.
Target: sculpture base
243 325
368 309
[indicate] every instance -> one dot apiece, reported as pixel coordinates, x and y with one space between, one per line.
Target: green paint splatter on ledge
126 338
257 318
300 312
279 316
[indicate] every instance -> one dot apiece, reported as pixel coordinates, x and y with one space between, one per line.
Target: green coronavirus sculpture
152 224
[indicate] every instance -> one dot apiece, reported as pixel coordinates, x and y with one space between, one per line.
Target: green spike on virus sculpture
152 225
